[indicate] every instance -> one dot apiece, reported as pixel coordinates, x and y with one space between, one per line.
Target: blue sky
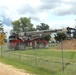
55 13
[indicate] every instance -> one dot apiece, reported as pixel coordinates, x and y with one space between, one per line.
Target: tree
60 36
1 27
42 26
2 31
47 37
74 34
23 24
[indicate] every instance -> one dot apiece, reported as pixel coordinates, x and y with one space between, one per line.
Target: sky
55 13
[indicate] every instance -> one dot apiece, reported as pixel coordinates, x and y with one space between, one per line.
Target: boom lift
32 39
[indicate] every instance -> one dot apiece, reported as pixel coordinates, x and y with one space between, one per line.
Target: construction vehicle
71 31
32 39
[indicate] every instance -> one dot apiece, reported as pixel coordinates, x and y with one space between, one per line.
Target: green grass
41 61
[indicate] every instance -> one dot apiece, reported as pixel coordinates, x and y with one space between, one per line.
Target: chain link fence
49 59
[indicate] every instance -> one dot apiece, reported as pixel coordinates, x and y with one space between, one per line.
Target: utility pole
62 56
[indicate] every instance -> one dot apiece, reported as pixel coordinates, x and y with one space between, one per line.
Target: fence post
9 53
1 51
62 55
35 53
19 53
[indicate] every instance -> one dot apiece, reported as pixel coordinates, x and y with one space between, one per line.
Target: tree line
24 24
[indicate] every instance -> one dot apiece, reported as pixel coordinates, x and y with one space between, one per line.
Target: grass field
46 61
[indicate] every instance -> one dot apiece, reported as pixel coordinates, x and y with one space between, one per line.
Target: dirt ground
9 70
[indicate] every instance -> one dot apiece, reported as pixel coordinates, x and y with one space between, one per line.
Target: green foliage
74 34
22 24
1 26
42 26
5 40
60 36
47 37
16 25
2 30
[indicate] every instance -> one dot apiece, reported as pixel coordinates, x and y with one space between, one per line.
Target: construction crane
32 39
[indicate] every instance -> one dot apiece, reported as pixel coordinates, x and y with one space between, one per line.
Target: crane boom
40 33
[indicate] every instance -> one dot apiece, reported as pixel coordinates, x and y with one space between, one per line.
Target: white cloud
11 3
63 9
7 29
34 3
62 24
43 16
39 11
